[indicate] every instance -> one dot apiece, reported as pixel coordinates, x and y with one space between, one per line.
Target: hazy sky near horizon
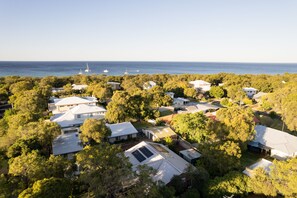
151 30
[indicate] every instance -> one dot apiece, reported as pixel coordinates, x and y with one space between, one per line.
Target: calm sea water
118 68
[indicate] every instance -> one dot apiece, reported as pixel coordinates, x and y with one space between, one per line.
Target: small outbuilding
190 155
159 133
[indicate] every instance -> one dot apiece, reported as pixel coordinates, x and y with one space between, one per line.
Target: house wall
279 155
120 138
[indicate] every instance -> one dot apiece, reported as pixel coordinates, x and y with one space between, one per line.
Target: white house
259 95
67 145
121 131
114 85
206 107
250 91
159 133
166 163
200 85
262 163
61 105
149 85
79 87
180 102
279 144
57 89
78 114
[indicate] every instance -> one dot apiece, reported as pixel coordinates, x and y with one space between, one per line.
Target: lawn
165 113
141 124
248 158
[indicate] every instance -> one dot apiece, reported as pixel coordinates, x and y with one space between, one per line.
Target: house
76 116
121 131
278 144
114 85
180 102
164 161
199 107
206 107
259 95
67 145
159 133
201 85
250 91
57 89
190 155
60 105
262 163
171 94
149 85
79 87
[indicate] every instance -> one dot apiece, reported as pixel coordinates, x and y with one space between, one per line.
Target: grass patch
248 158
141 124
165 113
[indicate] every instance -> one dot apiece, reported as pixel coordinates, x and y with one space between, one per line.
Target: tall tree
216 91
104 169
48 188
219 158
261 183
191 126
233 183
289 111
239 123
284 177
94 130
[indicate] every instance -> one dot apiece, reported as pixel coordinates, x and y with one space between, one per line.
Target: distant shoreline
117 68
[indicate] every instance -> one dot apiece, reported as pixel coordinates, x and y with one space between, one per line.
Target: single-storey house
77 115
180 102
259 95
114 85
190 155
79 87
121 131
164 161
201 85
159 133
60 105
262 163
67 145
149 85
278 144
250 91
206 107
57 89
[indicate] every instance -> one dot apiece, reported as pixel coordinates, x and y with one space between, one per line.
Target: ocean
40 69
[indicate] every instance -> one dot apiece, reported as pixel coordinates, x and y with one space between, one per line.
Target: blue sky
151 30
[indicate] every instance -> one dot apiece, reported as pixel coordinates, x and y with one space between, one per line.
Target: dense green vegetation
29 170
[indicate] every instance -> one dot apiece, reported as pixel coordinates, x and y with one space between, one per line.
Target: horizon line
86 61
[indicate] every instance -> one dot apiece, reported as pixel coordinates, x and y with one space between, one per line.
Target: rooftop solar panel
146 152
138 156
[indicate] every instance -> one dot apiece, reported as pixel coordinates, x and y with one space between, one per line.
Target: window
78 116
